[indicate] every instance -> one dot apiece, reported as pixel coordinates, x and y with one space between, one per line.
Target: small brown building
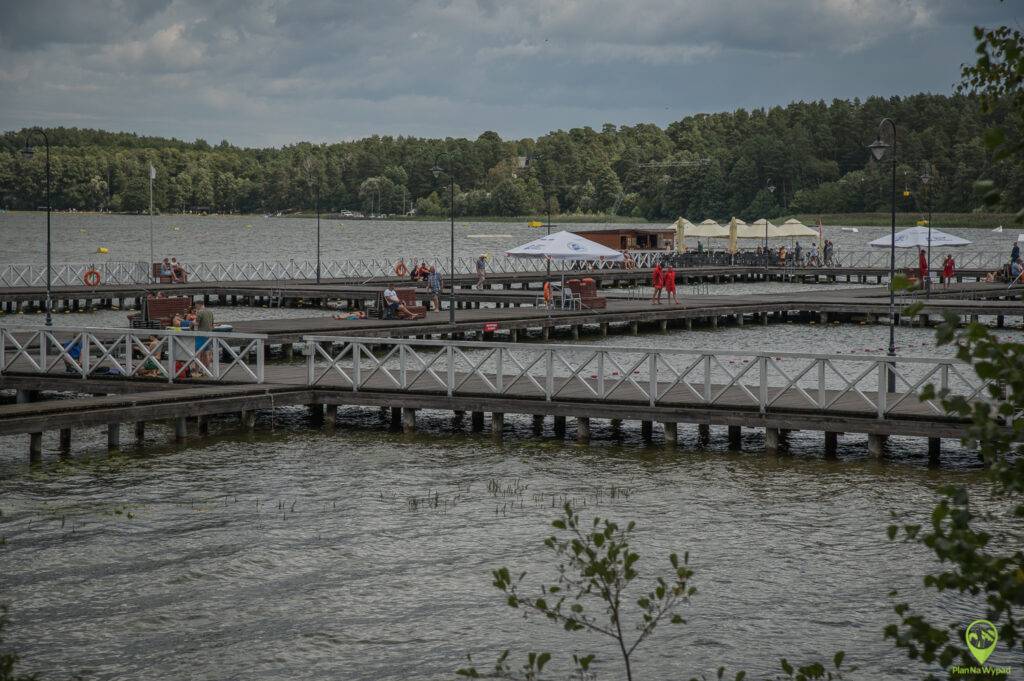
632 238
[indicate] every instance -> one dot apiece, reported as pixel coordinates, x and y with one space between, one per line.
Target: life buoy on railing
91 277
547 293
401 269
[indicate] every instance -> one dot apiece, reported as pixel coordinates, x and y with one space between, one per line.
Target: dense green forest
709 165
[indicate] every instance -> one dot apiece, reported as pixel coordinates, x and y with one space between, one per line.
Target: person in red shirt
669 280
657 279
948 270
922 267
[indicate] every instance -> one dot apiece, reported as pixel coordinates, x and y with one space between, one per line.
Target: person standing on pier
481 270
434 283
204 322
669 279
948 270
657 280
922 267
1014 253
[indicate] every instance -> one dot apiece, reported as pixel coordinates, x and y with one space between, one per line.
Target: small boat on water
849 229
998 230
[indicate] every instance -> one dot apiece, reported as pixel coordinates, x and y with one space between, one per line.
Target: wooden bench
586 289
160 312
163 279
406 296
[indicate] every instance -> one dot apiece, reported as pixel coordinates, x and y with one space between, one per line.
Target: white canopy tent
565 246
794 228
709 229
917 237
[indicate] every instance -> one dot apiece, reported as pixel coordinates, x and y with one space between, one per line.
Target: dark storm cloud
274 71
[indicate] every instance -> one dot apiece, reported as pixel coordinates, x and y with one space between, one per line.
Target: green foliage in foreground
595 592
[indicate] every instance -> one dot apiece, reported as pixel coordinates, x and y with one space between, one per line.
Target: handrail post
883 376
707 379
652 370
763 394
170 358
401 366
311 348
216 358
260 358
357 350
84 359
450 376
549 375
600 374
821 383
499 381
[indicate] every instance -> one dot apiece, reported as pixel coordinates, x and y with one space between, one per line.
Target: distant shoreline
939 220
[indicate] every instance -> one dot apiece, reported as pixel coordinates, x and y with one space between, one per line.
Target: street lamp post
27 152
318 229
771 190
878 149
925 179
437 170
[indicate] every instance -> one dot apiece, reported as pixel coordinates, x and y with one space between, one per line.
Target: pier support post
646 429
538 424
688 324
876 445
671 429
316 415
663 326
248 419
739 319
65 441
934 450
634 328
576 331
703 433
477 421
772 440
458 416
831 444
616 424
35 448
140 432
203 425
735 438
764 319
332 415
823 317
396 417
559 426
604 329
497 424
582 429
180 429
408 420
714 321
113 436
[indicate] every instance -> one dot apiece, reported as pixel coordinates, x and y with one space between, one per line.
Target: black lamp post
318 229
27 152
878 149
925 179
437 170
547 200
771 190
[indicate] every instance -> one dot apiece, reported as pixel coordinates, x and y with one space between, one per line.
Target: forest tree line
807 157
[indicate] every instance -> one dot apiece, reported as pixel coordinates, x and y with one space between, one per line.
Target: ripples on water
292 554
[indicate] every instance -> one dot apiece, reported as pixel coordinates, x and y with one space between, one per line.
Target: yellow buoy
534 223
103 249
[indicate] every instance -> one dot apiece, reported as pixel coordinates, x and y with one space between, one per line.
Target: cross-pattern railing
766 382
133 353
31 275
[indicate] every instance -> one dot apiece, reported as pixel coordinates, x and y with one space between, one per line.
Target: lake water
366 554
76 237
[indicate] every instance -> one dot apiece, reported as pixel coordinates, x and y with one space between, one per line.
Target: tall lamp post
437 170
28 152
878 149
771 190
309 165
547 201
925 179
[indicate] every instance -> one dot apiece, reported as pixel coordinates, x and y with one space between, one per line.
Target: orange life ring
547 292
91 278
401 269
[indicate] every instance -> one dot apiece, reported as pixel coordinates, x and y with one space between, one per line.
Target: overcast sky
272 72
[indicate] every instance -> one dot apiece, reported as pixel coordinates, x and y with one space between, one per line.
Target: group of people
664 279
423 271
947 273
170 267
825 257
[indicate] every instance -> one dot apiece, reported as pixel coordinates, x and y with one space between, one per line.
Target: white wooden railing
133 353
768 382
139 273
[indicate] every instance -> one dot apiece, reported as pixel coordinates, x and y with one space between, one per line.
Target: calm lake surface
366 554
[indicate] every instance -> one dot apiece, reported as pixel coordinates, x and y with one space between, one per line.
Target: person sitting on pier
165 269
178 275
628 260
422 271
1016 269
948 270
395 308
151 367
73 355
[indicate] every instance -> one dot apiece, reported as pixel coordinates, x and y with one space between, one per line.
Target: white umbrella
793 228
917 237
564 246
